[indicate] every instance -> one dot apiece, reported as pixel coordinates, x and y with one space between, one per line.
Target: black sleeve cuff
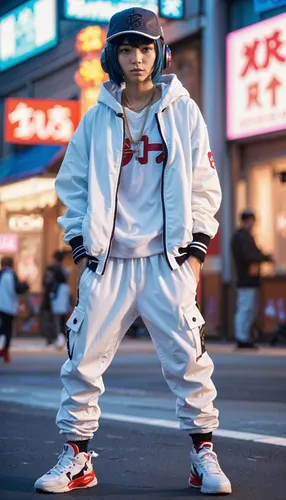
198 247
78 250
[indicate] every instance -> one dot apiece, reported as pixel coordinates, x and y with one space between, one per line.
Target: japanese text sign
256 79
27 31
40 121
9 243
100 11
172 9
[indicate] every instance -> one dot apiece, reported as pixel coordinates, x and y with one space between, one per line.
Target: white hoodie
89 178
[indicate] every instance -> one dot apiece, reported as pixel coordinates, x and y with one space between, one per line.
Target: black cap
247 214
135 20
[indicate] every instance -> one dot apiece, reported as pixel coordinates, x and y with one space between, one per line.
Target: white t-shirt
139 219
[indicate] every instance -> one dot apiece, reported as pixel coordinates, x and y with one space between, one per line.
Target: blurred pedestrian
248 258
60 298
10 288
140 215
279 333
46 317
57 262
56 301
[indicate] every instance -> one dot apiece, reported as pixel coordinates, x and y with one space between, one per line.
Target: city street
142 454
141 141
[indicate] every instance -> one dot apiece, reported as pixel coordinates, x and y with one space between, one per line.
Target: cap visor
133 32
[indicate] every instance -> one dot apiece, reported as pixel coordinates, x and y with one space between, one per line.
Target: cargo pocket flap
75 320
194 318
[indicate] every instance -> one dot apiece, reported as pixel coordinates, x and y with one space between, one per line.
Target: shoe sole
65 489
223 490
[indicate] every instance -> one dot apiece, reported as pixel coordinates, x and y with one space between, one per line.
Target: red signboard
40 121
256 79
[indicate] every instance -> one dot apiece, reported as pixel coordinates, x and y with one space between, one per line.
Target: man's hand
81 266
269 258
195 266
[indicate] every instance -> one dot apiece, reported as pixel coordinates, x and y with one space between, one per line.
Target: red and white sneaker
73 470
206 473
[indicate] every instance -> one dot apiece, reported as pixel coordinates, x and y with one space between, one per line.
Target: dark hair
7 261
115 72
247 214
58 256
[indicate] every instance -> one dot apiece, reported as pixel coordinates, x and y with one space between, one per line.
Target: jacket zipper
116 197
162 189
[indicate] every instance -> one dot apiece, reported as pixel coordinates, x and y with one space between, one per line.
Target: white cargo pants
107 307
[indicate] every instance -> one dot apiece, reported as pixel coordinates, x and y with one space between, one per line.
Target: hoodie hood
172 89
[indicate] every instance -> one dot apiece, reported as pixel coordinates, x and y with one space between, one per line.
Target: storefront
29 205
256 130
26 219
39 130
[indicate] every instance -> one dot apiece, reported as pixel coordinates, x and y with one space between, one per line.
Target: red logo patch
211 159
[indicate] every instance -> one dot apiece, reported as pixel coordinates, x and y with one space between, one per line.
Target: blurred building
28 204
249 160
244 68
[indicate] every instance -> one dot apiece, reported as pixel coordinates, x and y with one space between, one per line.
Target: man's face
249 223
136 63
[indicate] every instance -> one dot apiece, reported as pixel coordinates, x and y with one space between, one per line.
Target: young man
141 192
248 258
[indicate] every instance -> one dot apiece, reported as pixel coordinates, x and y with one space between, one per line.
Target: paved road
251 386
135 462
139 461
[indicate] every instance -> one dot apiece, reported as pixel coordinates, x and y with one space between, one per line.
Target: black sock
199 438
82 445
